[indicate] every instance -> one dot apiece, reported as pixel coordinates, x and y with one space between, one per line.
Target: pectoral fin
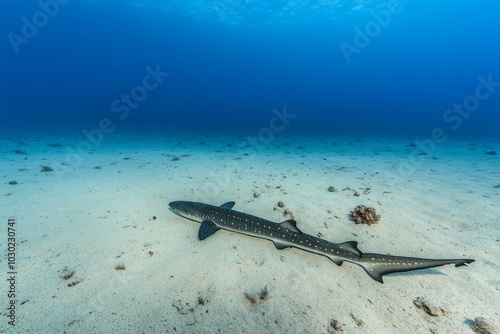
207 228
280 245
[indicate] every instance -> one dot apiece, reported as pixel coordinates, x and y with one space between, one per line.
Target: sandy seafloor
94 213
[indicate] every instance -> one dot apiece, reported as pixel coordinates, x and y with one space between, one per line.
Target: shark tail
378 265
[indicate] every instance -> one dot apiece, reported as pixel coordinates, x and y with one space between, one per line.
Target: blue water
364 67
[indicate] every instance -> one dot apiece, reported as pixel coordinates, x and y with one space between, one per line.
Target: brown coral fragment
365 215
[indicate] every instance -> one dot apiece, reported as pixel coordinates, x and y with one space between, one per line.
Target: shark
286 234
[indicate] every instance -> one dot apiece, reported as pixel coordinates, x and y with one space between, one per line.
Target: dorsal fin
350 246
207 228
291 225
227 205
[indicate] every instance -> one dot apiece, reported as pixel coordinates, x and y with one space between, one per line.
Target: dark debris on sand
481 325
428 307
120 267
335 326
256 299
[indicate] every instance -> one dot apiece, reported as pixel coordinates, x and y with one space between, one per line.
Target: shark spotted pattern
286 234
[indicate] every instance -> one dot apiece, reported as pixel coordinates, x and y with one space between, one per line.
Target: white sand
90 220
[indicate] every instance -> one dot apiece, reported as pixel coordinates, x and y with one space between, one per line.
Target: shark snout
184 209
177 207
180 206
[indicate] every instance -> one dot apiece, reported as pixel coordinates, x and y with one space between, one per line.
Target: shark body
286 234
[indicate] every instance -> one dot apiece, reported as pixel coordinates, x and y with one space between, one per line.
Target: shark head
196 211
189 210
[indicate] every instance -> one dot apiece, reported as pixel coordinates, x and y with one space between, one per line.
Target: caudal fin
378 265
